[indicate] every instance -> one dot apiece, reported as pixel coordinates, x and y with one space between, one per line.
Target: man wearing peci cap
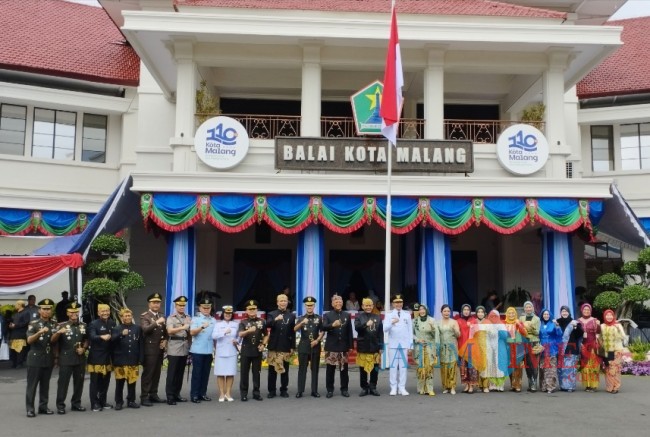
178 347
281 342
311 334
252 331
99 358
338 325
154 332
399 327
72 339
40 359
202 348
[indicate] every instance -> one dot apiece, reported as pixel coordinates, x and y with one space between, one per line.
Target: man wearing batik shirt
338 343
281 342
370 339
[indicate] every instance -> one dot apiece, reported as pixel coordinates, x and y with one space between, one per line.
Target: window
93 148
12 129
635 146
54 134
602 156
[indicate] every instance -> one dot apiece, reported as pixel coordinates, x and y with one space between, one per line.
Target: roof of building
428 7
627 70
63 39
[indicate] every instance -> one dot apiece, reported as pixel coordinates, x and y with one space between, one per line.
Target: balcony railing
271 126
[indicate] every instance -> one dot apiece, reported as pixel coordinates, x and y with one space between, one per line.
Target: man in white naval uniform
399 327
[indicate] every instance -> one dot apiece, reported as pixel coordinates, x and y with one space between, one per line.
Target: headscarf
461 311
550 317
510 311
613 322
564 322
480 307
494 316
423 318
583 306
532 314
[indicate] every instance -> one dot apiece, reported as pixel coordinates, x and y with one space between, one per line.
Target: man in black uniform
72 339
311 334
155 342
252 330
178 347
62 308
370 341
281 341
99 357
338 343
40 359
127 352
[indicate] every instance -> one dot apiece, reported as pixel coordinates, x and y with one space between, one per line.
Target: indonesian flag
391 99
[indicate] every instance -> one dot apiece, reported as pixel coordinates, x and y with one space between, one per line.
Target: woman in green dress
449 333
425 347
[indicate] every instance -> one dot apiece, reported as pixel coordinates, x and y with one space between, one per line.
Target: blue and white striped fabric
558 271
435 281
181 269
310 268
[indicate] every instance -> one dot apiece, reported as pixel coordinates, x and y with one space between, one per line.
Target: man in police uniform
370 341
338 343
281 342
155 341
178 347
72 339
127 353
40 358
252 330
99 358
202 350
311 334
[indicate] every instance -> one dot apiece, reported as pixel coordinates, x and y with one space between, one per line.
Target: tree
620 292
113 277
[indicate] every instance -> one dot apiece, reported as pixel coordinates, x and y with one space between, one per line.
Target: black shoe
205 398
374 392
171 402
315 394
271 395
345 393
195 400
107 406
156 400
284 394
243 398
47 412
60 411
329 394
364 392
118 406
180 399
133 405
257 397
78 408
298 395
31 413
146 403
97 407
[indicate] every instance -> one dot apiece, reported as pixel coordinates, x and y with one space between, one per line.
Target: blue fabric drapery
181 269
504 208
558 280
287 206
174 203
435 281
310 268
14 217
232 204
342 205
400 206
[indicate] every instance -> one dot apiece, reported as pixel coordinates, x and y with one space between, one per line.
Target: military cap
251 304
46 304
181 301
227 309
205 302
154 298
309 300
73 307
397 298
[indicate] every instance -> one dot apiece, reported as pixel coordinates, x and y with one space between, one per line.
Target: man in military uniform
399 329
127 353
311 334
281 342
178 347
72 339
252 330
202 350
40 359
99 357
370 341
155 341
338 343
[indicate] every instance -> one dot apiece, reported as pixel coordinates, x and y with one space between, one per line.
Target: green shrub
607 300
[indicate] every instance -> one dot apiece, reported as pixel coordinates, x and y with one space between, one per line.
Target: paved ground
500 414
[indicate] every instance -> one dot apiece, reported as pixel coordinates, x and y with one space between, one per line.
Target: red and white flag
391 99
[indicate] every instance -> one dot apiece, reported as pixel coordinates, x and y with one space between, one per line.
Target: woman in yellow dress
425 347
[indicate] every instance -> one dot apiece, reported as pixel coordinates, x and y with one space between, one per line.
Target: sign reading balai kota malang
369 154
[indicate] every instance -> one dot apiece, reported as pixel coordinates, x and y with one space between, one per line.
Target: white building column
310 105
186 80
434 94
553 92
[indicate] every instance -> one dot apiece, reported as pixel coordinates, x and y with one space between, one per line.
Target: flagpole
389 160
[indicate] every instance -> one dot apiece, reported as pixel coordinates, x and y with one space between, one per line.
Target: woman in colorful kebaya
425 347
468 373
550 336
589 359
517 333
569 350
449 333
612 338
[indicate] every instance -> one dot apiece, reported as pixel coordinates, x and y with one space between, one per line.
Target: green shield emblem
365 107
